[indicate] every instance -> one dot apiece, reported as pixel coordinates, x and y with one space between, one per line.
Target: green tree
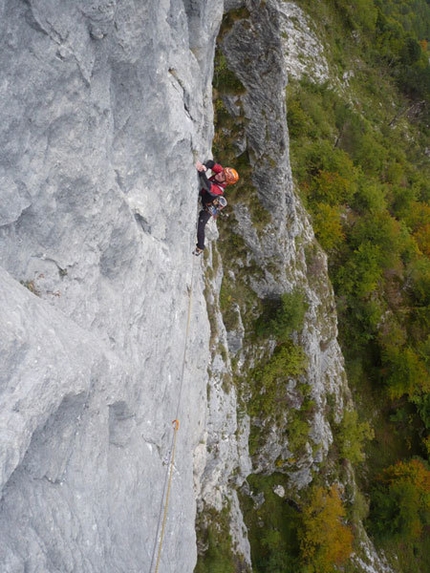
332 188
328 227
352 436
419 281
361 274
370 198
406 373
400 503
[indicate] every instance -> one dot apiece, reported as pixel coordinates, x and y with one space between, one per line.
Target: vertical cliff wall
104 106
284 251
272 251
109 329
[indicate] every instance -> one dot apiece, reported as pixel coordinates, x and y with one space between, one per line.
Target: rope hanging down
169 475
169 483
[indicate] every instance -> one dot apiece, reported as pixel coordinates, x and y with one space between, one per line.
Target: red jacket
209 187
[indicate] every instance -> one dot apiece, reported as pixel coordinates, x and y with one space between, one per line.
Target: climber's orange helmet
231 175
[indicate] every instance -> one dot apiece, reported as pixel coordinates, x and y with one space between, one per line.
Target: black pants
204 217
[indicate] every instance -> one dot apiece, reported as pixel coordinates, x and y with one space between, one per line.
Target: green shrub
297 431
352 436
282 316
272 527
268 380
213 529
224 79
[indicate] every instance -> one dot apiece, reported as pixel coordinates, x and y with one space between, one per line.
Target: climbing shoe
197 251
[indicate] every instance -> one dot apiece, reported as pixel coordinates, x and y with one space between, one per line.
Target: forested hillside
360 155
361 160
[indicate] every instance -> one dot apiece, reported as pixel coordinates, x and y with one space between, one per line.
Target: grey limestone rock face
288 238
105 337
104 107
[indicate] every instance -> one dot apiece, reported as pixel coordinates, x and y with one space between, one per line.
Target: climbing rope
169 474
169 483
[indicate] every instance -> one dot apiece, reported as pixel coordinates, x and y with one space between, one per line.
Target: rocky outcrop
285 253
286 250
109 330
103 107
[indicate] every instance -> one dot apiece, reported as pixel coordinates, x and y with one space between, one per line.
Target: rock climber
211 193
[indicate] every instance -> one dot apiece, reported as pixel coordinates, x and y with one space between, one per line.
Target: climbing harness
216 206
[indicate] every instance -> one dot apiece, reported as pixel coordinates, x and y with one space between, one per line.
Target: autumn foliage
325 540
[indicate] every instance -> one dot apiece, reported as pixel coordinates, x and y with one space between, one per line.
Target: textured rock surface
105 335
102 105
303 51
286 250
287 240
